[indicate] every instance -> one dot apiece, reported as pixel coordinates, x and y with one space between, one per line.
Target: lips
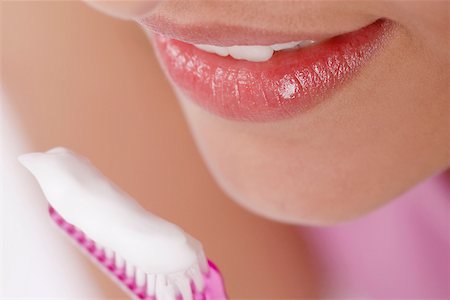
289 83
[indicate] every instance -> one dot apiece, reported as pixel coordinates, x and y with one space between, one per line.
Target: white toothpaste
111 217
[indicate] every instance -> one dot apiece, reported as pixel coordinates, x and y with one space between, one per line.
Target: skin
373 139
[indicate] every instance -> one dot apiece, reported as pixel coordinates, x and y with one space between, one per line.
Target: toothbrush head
148 256
190 284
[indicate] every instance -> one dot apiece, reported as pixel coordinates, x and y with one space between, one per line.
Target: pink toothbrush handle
214 287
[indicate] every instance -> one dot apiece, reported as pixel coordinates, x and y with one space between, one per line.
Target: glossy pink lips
288 83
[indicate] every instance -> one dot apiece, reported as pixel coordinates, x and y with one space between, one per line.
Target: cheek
376 138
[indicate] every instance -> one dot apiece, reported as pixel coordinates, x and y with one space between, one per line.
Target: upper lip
229 35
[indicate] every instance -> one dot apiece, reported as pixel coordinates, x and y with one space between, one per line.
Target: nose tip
126 10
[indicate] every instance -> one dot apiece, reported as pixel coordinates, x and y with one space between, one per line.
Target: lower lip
287 84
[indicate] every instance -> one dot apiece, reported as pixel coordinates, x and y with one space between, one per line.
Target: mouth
268 82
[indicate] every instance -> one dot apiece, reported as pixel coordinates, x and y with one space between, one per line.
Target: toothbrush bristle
138 283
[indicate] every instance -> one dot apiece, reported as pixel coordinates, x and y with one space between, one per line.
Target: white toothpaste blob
109 216
253 53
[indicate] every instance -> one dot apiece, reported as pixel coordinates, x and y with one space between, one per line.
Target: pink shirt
398 251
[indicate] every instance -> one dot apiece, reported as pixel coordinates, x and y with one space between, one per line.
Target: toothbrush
147 256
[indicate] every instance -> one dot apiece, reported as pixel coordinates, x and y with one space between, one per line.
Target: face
321 131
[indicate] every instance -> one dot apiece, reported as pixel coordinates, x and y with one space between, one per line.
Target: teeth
253 53
222 51
290 45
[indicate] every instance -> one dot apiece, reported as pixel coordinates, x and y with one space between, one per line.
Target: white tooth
222 51
306 43
282 46
251 53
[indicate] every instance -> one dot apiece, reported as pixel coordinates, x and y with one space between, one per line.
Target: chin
320 168
319 204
